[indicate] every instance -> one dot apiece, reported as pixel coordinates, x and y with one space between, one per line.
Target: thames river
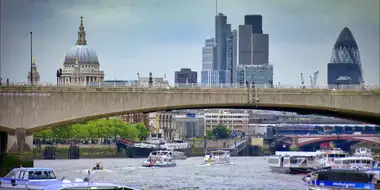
243 173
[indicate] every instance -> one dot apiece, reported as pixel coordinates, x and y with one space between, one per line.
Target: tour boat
327 157
177 155
217 157
295 162
361 159
341 179
160 158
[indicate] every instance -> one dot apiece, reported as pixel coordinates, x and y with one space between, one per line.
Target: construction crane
302 81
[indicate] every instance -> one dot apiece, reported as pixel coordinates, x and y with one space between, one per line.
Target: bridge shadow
366 117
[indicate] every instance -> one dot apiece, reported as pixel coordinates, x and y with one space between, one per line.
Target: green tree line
99 128
218 132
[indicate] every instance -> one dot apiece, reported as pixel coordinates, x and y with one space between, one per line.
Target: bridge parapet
309 139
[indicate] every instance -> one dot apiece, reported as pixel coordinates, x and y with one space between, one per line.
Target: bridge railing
196 85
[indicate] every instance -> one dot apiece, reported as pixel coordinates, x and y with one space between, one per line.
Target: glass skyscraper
344 69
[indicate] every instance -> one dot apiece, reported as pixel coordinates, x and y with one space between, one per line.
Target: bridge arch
368 117
370 139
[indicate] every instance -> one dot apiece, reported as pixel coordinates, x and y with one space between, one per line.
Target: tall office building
345 67
185 76
256 22
262 75
222 34
208 61
254 52
231 57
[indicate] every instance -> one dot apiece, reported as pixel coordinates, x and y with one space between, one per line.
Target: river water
243 173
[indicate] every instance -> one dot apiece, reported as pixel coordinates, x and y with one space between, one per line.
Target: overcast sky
162 36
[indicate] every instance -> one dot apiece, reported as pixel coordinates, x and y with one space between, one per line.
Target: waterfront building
189 125
135 118
81 65
236 122
34 74
345 69
162 124
185 76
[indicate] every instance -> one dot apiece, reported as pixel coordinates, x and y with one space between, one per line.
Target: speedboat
98 166
341 179
45 179
84 185
217 157
29 178
160 158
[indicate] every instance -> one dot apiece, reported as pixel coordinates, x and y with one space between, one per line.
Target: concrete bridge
26 110
303 140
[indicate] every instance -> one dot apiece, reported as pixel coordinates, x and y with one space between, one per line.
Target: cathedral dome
81 51
84 53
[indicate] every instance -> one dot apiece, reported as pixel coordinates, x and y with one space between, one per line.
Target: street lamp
31 58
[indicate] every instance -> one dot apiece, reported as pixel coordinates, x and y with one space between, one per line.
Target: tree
99 128
143 131
221 131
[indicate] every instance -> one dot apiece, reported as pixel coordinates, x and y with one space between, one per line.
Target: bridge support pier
19 142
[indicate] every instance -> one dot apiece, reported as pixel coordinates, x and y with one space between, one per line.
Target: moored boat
217 157
160 158
361 159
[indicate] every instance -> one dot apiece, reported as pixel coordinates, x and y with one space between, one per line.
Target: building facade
81 65
189 126
185 76
344 69
134 118
236 122
162 124
261 75
34 75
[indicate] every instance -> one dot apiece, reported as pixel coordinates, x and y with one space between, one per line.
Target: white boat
327 157
160 158
217 157
294 162
45 179
361 159
177 155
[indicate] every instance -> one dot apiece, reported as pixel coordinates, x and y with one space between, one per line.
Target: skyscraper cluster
236 56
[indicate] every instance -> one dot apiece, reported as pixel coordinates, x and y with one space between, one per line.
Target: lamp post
31 58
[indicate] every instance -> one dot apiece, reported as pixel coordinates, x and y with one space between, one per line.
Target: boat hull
159 165
137 152
293 170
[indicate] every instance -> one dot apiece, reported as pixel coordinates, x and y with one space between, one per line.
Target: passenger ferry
45 179
160 158
341 179
177 155
217 157
327 157
294 162
361 159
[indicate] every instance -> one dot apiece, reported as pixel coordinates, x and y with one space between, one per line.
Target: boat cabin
31 174
161 153
219 153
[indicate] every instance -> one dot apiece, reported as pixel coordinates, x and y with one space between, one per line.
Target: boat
143 149
160 158
33 178
45 179
295 162
177 155
361 159
98 166
341 179
217 157
327 157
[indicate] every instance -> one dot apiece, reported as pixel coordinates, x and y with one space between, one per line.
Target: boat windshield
33 175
